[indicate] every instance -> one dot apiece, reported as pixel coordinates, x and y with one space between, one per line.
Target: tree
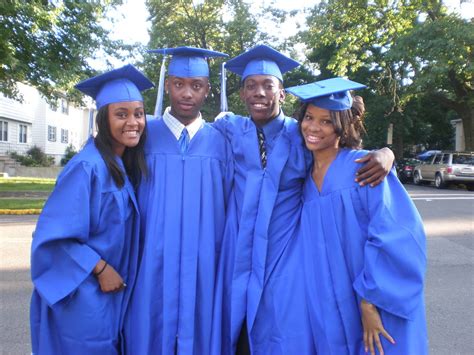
439 52
227 26
47 44
359 39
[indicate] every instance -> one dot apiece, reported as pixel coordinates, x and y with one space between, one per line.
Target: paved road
449 221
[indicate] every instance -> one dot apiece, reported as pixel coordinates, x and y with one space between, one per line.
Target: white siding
37 115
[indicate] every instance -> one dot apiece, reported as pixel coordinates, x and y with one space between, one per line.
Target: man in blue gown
182 206
264 292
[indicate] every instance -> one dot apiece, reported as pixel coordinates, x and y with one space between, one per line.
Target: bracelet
102 270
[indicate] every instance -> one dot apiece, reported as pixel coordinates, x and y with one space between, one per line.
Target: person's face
262 95
126 122
187 96
318 130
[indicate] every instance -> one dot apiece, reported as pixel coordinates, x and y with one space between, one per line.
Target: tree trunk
467 117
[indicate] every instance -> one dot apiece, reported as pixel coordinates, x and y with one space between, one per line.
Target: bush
34 157
68 154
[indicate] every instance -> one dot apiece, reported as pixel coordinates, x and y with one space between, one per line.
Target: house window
51 133
64 106
22 133
64 136
3 131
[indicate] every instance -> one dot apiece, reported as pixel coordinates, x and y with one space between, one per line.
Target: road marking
434 194
442 198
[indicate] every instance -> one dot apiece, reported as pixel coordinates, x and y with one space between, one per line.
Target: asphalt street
448 216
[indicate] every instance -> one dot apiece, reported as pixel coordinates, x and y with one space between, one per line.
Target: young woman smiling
85 247
364 248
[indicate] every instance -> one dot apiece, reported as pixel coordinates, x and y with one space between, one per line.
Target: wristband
102 270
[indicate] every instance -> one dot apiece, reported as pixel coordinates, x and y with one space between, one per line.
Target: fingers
364 159
371 344
387 336
370 176
378 343
366 341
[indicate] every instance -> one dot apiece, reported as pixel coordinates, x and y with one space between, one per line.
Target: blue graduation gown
87 217
363 243
261 260
183 205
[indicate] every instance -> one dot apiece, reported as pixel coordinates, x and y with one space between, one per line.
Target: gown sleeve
394 253
61 259
224 125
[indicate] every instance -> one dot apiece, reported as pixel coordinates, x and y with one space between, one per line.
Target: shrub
34 157
68 154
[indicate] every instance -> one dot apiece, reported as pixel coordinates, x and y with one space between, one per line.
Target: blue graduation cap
330 94
119 85
261 60
186 62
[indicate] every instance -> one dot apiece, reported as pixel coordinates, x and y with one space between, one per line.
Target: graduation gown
183 205
86 218
363 243
261 259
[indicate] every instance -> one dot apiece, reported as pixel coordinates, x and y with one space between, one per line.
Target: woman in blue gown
364 248
85 247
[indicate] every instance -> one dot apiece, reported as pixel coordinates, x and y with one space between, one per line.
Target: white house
35 122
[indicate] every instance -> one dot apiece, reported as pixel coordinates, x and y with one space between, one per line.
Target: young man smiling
264 307
182 207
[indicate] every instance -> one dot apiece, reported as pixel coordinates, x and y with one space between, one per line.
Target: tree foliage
392 48
228 26
439 53
47 44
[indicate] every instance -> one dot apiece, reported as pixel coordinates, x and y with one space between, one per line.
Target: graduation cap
261 60
186 62
119 85
330 94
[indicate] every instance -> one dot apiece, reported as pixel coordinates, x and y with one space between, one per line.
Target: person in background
183 206
84 251
363 249
263 306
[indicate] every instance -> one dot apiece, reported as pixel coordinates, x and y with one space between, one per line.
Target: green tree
47 44
227 26
360 39
439 52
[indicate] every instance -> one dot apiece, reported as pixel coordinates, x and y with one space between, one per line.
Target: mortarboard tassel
224 105
161 89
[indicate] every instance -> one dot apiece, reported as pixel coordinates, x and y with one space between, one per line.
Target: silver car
446 168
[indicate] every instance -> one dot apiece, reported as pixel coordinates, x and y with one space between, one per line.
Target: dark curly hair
348 124
133 158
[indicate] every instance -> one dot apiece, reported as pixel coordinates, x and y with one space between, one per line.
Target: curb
20 212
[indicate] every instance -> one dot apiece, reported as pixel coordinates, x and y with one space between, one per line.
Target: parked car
427 154
446 168
405 169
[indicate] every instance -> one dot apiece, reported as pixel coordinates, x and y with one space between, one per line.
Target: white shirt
177 127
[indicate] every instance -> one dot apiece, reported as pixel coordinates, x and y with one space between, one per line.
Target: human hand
109 279
373 327
377 167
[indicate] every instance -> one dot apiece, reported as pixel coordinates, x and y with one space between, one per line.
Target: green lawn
21 204
26 184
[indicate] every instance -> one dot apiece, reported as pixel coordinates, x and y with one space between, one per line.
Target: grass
19 204
26 184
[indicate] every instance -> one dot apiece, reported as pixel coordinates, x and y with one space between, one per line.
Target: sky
133 14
